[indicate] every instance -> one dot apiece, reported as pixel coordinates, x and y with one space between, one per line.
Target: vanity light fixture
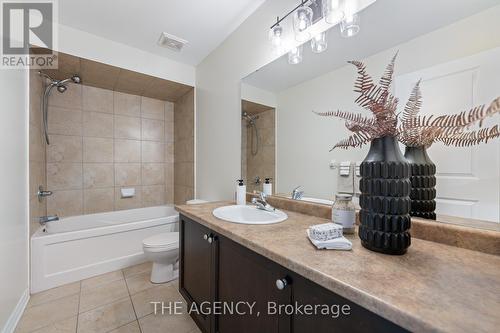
349 26
302 20
319 43
295 55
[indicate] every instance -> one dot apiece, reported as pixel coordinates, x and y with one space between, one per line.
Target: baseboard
13 320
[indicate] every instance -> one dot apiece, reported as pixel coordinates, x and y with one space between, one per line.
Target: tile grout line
133 306
78 311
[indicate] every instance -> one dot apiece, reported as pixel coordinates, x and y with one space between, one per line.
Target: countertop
434 287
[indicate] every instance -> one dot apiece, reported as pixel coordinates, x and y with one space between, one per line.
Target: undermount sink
249 215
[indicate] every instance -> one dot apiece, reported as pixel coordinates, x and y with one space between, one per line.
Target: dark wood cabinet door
358 320
196 268
244 276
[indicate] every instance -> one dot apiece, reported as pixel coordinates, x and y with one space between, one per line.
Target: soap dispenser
241 193
267 187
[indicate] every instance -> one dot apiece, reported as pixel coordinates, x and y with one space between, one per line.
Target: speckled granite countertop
434 287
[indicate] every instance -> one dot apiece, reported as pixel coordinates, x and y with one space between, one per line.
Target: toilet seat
162 242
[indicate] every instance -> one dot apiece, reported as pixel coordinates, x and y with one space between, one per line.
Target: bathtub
79 247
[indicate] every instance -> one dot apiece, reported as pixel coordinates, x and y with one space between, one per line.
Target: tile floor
117 302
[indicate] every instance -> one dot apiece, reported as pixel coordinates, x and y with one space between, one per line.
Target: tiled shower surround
102 141
262 164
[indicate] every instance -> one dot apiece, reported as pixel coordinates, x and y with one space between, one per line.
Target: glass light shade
302 20
276 36
332 11
349 26
295 55
319 43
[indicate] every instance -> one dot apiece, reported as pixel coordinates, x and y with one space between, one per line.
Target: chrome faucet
296 194
43 220
261 202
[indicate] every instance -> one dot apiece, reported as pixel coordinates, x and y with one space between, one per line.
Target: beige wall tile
64 148
127 151
153 152
36 143
97 99
127 174
169 111
128 203
98 200
169 182
65 121
169 131
183 194
184 150
97 150
152 108
169 152
98 124
64 176
65 203
71 98
98 175
153 174
153 130
127 127
153 195
184 174
127 105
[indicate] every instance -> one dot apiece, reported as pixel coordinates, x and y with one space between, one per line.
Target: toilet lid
162 240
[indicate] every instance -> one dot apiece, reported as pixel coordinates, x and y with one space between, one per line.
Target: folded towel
340 243
325 231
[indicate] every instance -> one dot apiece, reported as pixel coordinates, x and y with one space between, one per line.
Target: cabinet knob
210 239
205 236
281 283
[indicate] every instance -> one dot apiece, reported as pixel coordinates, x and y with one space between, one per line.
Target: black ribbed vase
384 200
423 182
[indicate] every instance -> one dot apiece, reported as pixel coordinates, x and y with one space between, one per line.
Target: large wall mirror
453 47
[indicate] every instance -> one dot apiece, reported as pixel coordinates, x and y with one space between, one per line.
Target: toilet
163 251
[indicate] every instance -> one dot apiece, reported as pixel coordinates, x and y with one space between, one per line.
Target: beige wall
37 175
184 148
262 164
102 141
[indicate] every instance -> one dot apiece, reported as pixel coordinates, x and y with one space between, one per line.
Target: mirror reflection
282 104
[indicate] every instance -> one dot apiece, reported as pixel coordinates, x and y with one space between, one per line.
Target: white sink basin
249 215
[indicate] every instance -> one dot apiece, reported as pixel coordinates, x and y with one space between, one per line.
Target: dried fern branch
470 138
357 118
358 139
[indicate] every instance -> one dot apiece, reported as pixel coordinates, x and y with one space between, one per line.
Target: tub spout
46 219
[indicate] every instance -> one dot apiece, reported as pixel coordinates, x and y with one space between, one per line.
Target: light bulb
319 43
295 55
302 20
332 11
349 26
276 34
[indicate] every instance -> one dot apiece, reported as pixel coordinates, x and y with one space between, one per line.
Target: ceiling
384 24
138 23
104 76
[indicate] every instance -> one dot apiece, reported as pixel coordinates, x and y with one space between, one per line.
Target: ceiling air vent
171 42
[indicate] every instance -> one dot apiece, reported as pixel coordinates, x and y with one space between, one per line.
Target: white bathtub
80 247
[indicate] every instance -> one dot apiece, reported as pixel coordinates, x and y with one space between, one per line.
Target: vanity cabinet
216 269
